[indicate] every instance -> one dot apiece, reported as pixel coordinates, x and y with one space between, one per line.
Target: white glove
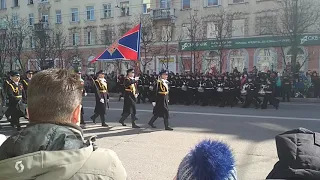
108 100
102 101
85 94
153 103
136 78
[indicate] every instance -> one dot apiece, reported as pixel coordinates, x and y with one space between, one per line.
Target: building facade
183 37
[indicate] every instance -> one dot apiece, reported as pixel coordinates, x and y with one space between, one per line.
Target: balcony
41 26
163 14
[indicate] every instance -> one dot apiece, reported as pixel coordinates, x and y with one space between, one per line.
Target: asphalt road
150 154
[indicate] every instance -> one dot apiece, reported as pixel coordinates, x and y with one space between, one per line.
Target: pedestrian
160 101
25 82
209 160
52 146
130 97
102 98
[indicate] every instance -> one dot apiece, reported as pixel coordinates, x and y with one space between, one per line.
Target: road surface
154 154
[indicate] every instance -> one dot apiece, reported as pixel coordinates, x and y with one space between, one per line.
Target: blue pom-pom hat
209 160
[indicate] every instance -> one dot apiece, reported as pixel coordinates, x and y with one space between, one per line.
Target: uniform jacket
14 92
130 92
49 152
101 92
299 155
161 97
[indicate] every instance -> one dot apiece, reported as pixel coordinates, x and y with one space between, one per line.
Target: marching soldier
160 101
14 93
120 86
130 96
286 88
84 93
25 83
102 98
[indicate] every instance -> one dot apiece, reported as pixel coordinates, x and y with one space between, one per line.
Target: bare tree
148 35
219 28
13 35
297 17
49 45
73 58
107 35
194 33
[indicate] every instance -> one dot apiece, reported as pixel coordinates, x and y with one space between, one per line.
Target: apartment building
251 41
90 26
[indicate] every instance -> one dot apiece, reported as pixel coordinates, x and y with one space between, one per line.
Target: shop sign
253 42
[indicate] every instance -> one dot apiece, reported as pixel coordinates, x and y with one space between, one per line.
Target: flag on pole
127 47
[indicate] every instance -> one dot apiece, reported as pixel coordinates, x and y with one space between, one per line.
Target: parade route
154 154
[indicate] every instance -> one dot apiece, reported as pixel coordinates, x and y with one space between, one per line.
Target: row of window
186 4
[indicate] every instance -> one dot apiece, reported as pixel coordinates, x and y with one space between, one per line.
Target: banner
253 42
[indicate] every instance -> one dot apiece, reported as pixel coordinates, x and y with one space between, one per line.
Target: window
146 6
15 3
164 4
3 4
58 17
237 59
265 25
238 27
32 43
124 7
31 19
166 33
45 18
237 1
30 1
74 15
185 31
107 35
90 13
266 59
15 20
89 38
75 39
212 30
185 4
212 3
107 10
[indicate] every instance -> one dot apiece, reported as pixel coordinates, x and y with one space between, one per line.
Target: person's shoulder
105 163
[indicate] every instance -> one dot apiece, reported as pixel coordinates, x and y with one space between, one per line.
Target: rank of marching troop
251 89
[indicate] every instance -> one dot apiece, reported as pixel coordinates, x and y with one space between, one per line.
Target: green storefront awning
253 42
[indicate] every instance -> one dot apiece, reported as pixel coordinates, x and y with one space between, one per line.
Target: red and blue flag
126 48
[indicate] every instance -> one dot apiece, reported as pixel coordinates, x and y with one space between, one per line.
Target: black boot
103 121
135 126
133 120
93 118
121 121
166 124
152 120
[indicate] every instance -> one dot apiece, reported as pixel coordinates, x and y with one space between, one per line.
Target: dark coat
129 103
15 95
299 155
101 92
160 96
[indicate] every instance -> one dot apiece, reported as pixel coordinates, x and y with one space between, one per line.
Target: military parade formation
229 89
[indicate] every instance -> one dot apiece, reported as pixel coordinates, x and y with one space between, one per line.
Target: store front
266 53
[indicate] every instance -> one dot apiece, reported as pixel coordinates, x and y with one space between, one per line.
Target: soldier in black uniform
102 98
130 95
251 89
84 93
160 101
25 83
140 90
15 96
120 86
268 97
286 88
